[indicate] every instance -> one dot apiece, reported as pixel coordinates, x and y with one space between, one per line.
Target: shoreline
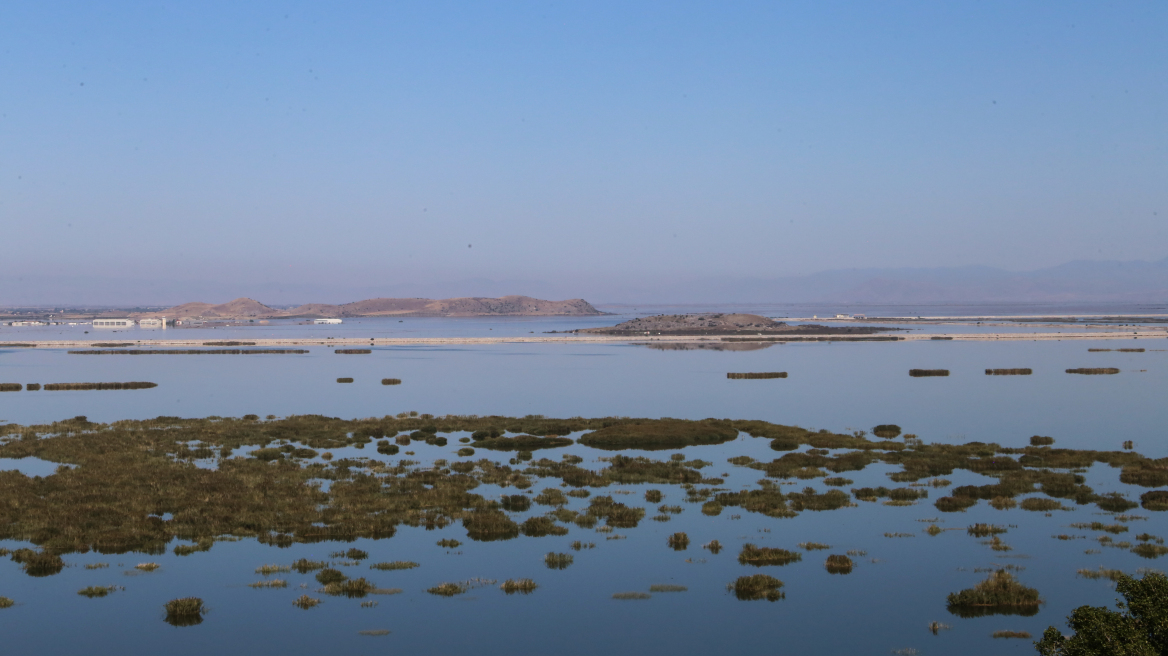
594 339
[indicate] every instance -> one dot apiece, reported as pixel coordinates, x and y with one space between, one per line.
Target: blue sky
572 144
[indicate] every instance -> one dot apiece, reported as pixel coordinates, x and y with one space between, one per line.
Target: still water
885 604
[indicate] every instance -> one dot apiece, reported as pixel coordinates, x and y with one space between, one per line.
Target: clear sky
414 144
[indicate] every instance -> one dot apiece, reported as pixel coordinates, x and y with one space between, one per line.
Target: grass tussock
1001 593
1011 634
985 530
344 380
1041 440
1101 573
185 611
329 575
627 596
447 543
756 586
304 602
757 376
678 541
1094 371
5 602
555 560
448 589
271 583
713 546
351 588
886 431
813 546
1040 504
838 564
64 387
924 373
400 564
665 587
95 591
305 565
97 565
760 556
147 567
1009 372
353 351
521 586
1148 550
11 387
268 570
391 381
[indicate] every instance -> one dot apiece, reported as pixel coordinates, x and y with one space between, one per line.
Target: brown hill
245 308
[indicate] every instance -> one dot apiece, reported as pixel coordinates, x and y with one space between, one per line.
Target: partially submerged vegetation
1001 594
756 586
924 373
757 376
1093 370
186 611
1009 372
759 556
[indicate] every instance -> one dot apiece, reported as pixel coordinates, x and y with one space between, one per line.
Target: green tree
1139 628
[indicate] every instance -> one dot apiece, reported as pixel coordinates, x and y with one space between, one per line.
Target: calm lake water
885 604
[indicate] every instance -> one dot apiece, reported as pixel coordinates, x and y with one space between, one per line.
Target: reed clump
97 566
304 602
11 387
1101 573
403 564
1094 371
924 373
391 381
449 543
33 387
1148 550
757 376
5 602
756 586
38 563
186 611
271 583
329 575
1154 500
95 591
61 387
985 530
1001 593
814 546
1041 440
305 565
838 564
1009 372
760 556
448 589
557 560
678 541
713 546
886 431
353 351
268 570
351 588
1039 504
522 586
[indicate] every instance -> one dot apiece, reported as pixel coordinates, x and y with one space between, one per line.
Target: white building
326 321
160 322
113 323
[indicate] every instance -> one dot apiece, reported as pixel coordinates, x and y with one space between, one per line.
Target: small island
723 324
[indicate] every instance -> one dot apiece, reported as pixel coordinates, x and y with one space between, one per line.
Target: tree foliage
1138 628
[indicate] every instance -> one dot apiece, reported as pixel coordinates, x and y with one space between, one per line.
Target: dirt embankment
722 324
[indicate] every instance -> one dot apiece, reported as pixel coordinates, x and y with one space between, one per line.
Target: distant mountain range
246 308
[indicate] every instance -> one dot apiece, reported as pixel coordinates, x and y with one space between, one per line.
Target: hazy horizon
308 153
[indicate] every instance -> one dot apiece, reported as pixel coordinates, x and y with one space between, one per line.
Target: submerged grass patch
305 602
838 564
5 602
555 560
665 587
1094 371
757 376
631 595
923 373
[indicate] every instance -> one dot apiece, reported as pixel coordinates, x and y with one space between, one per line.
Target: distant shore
592 339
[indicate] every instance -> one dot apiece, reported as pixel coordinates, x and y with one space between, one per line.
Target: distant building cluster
159 322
